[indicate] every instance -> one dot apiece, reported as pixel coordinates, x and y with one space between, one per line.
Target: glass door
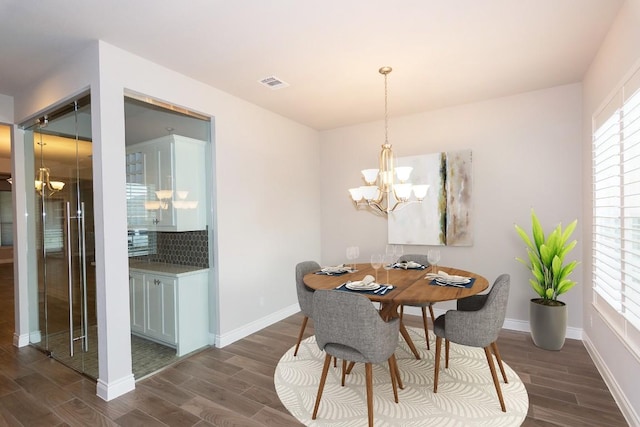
63 236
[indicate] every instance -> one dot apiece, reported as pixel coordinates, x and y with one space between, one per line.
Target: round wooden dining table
409 287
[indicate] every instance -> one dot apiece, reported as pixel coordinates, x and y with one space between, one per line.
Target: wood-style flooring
233 386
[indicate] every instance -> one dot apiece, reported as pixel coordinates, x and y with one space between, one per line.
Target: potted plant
546 261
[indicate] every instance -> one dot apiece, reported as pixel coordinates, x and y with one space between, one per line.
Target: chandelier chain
386 111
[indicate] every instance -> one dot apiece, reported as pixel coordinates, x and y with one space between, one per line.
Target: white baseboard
20 340
108 391
625 406
255 326
511 324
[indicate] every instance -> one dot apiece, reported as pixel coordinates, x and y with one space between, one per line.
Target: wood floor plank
137 418
76 413
218 415
27 410
224 397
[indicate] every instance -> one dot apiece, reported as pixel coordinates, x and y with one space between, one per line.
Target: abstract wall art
445 216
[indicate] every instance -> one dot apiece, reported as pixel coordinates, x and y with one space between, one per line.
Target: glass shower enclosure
60 228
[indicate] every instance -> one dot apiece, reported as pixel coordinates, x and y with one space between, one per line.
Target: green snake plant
546 259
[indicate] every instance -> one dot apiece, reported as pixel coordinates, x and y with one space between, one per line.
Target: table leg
407 338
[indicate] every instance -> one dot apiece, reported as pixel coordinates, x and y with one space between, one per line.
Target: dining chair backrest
481 327
305 295
419 258
349 327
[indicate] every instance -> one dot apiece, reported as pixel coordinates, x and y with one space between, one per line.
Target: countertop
162 268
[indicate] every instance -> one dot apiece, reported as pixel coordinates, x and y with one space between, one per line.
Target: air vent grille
272 82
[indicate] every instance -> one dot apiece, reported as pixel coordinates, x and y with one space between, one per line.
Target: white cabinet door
161 308
174 180
137 304
139 189
171 309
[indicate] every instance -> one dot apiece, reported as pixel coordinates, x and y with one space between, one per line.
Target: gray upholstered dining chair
420 259
349 327
476 323
305 295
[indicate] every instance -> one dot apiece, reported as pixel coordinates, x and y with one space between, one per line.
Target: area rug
466 394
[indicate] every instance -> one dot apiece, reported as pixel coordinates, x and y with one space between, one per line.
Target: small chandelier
43 181
381 186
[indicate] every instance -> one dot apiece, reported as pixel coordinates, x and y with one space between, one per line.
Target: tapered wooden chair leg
494 347
437 364
425 323
344 371
433 318
397 371
487 352
368 369
393 372
323 378
446 351
304 325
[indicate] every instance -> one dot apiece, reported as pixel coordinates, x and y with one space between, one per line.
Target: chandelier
43 181
383 194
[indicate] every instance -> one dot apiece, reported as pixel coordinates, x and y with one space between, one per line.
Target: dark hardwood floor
233 386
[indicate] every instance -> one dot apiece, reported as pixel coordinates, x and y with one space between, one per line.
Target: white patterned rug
466 394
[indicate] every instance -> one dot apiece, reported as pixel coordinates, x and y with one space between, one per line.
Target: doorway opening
168 207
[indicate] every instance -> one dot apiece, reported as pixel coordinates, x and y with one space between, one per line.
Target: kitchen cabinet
166 184
169 304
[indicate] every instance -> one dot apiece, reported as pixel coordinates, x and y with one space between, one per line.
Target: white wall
526 153
6 109
619 52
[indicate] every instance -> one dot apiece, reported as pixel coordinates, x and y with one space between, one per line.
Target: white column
112 267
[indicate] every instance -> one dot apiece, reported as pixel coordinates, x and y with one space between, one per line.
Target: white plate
456 281
359 286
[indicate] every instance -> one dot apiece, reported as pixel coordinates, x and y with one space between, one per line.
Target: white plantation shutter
616 210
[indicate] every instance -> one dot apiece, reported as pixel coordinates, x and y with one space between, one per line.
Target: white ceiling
443 52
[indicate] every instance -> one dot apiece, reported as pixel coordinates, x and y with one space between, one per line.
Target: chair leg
304 325
323 378
487 352
426 326
401 311
437 363
494 347
433 318
397 371
392 374
368 369
446 357
344 371
350 367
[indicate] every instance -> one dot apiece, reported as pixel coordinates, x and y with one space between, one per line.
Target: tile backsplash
185 248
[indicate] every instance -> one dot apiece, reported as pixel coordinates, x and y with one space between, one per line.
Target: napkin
408 265
446 276
367 279
334 270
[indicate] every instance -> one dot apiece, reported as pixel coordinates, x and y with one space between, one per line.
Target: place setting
442 278
366 285
337 270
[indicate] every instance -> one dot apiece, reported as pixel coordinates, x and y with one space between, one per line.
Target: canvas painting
445 216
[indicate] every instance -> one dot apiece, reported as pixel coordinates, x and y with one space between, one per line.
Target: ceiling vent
272 82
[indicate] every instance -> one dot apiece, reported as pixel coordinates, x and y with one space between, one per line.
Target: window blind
616 207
